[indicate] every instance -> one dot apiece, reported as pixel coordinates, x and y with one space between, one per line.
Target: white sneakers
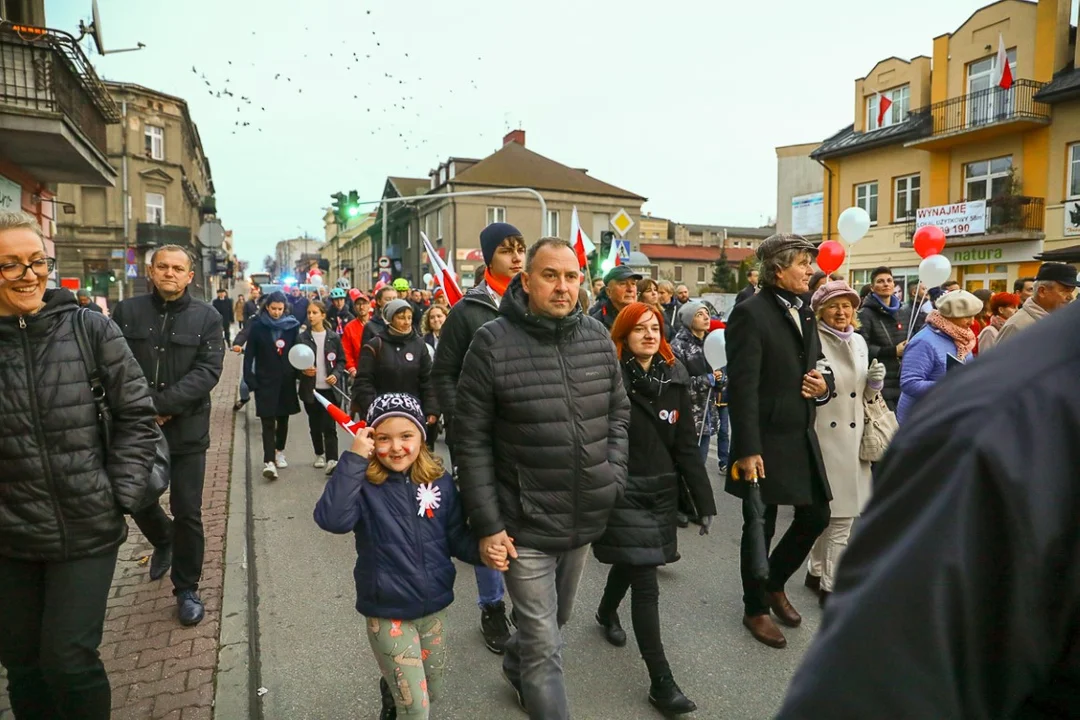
270 471
330 465
320 461
279 459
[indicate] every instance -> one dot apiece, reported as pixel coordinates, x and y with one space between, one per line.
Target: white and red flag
1003 76
883 105
583 246
444 275
340 416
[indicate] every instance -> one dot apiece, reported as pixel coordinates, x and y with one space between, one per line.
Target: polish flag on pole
613 259
883 105
340 416
444 275
583 246
1003 76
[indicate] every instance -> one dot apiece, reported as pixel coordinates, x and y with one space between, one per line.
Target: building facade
991 165
164 193
55 114
689 253
800 197
294 254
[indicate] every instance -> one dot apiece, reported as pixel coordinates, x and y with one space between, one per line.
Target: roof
758 232
1065 85
514 165
407 187
659 251
849 142
1069 254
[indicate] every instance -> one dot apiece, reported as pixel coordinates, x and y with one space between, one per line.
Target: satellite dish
94 30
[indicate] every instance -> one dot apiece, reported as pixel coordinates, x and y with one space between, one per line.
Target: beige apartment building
799 191
163 194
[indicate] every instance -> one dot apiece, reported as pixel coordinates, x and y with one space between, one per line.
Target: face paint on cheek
407 449
382 453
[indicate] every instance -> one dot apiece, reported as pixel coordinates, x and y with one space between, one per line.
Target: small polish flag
883 105
1003 76
443 275
613 255
581 242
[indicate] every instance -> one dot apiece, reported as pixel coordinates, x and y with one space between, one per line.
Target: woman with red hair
1002 307
641 532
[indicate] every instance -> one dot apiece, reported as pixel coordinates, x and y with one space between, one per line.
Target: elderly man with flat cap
620 289
778 376
1055 287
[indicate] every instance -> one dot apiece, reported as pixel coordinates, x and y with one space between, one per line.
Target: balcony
1008 218
53 108
982 115
152 235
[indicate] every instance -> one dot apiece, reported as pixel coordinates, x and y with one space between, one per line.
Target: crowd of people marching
573 424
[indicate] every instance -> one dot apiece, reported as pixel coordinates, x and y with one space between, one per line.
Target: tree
723 277
270 265
745 267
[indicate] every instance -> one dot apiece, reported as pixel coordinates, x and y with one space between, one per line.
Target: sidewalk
157 668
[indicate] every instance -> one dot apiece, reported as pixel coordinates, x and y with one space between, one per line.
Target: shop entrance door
994 277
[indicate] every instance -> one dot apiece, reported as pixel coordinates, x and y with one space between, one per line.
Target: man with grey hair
177 341
541 445
778 377
1055 287
83 298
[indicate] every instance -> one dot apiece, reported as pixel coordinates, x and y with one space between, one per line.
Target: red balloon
929 240
830 256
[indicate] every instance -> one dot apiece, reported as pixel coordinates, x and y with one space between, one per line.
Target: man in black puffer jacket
885 326
541 442
178 342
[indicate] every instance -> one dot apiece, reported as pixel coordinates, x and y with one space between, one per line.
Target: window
736 243
1074 170
986 101
155 208
866 198
155 142
553 223
987 178
438 224
701 274
496 214
897 113
408 236
907 197
678 273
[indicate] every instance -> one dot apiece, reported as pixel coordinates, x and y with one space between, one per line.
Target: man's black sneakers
495 627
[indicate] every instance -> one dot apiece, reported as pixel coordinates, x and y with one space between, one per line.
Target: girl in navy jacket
403 508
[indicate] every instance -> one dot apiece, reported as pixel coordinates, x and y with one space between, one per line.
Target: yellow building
994 167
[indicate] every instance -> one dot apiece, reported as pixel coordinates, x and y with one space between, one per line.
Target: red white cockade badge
429 497
280 344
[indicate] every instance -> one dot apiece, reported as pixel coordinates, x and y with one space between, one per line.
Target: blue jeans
542 586
704 447
723 437
489 586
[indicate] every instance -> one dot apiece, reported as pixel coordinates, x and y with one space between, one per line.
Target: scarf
496 282
997 322
963 337
844 335
892 307
650 383
279 326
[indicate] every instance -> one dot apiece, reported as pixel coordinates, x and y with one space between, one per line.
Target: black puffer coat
394 363
541 430
663 445
883 331
57 491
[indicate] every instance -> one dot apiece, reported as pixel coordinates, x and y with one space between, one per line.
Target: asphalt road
316 663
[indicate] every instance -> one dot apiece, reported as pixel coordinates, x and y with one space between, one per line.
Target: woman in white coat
839 425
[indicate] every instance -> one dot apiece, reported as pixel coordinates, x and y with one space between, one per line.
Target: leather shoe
782 608
764 630
813 582
190 608
613 629
160 562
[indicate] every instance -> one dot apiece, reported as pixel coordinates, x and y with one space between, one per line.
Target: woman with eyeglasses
62 495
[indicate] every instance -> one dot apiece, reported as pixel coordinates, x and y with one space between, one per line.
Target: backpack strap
94 374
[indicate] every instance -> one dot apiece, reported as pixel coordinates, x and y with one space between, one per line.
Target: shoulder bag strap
93 374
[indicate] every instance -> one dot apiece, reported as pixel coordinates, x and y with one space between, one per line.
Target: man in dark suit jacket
777 377
750 290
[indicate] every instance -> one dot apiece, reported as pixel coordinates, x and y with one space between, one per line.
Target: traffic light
606 239
352 207
219 265
339 207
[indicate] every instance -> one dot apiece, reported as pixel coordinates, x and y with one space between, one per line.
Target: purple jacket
924 363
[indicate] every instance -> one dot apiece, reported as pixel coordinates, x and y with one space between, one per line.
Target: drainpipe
125 200
828 207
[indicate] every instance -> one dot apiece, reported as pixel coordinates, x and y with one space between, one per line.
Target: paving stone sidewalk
157 668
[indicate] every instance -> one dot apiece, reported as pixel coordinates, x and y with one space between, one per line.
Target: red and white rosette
280 345
429 497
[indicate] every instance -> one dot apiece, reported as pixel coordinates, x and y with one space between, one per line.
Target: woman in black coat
269 375
641 532
396 360
63 496
327 373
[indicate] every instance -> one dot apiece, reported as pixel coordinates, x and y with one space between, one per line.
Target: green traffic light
354 211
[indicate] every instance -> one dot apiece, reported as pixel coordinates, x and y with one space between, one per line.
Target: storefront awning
1069 254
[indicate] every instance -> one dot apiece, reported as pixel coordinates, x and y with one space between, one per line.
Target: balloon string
914 309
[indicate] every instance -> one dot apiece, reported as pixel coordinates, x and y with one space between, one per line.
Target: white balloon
716 349
428 277
316 280
934 270
853 224
301 357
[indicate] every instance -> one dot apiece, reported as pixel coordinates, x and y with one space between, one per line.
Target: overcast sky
682 102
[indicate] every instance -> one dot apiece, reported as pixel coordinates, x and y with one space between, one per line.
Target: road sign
384 262
622 223
132 271
117 254
211 234
131 256
624 250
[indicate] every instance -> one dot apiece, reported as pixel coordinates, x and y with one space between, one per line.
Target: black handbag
158 482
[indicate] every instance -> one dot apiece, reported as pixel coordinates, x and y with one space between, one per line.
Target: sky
681 102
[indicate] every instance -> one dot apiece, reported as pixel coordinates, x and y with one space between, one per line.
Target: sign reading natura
962 218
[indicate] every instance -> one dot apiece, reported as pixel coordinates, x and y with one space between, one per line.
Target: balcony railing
1006 214
985 107
154 235
46 70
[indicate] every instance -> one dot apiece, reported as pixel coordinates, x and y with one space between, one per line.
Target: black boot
613 630
666 696
495 627
389 707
